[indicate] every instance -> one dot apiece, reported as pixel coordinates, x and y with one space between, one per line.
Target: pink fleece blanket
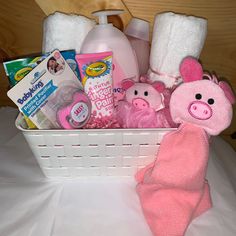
173 190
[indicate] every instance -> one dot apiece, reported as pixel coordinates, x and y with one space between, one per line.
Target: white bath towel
65 32
175 36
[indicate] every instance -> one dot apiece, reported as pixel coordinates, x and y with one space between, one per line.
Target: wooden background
21 30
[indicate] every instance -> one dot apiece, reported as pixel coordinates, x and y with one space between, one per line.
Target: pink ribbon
176 78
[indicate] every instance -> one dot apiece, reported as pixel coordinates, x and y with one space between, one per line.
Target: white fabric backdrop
31 205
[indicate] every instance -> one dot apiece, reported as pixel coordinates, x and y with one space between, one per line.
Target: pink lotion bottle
137 31
105 37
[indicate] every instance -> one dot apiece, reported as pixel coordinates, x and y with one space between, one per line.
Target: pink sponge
145 105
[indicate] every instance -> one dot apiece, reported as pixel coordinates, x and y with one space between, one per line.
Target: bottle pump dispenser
105 37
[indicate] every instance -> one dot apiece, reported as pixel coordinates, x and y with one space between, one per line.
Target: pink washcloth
173 190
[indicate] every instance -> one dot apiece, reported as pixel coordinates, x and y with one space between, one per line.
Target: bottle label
96 71
118 76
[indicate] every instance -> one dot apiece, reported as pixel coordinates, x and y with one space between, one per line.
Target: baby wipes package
37 94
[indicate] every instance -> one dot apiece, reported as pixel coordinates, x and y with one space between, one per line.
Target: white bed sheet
30 204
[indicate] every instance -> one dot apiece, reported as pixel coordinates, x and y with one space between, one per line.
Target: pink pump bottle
137 31
105 37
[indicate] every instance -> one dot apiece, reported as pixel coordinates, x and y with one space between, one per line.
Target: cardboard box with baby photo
45 89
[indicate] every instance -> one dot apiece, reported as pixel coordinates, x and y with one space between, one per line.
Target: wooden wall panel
20 34
86 7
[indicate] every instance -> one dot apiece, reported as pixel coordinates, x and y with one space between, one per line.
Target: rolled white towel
65 32
175 36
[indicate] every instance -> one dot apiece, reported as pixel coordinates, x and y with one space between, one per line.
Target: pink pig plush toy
173 190
145 105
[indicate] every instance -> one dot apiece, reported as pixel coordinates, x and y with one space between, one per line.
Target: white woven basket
95 152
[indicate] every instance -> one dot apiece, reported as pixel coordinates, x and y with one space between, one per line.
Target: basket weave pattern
72 153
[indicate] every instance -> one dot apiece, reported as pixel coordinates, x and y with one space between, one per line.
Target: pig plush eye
146 93
210 101
135 92
198 96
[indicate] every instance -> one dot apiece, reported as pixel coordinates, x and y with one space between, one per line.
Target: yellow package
30 124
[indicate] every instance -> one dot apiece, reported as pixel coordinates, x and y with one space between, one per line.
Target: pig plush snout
200 110
140 103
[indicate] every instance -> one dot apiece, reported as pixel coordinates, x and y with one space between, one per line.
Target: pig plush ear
228 91
159 86
127 83
190 70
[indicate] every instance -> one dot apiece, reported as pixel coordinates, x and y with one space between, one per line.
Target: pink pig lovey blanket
173 190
